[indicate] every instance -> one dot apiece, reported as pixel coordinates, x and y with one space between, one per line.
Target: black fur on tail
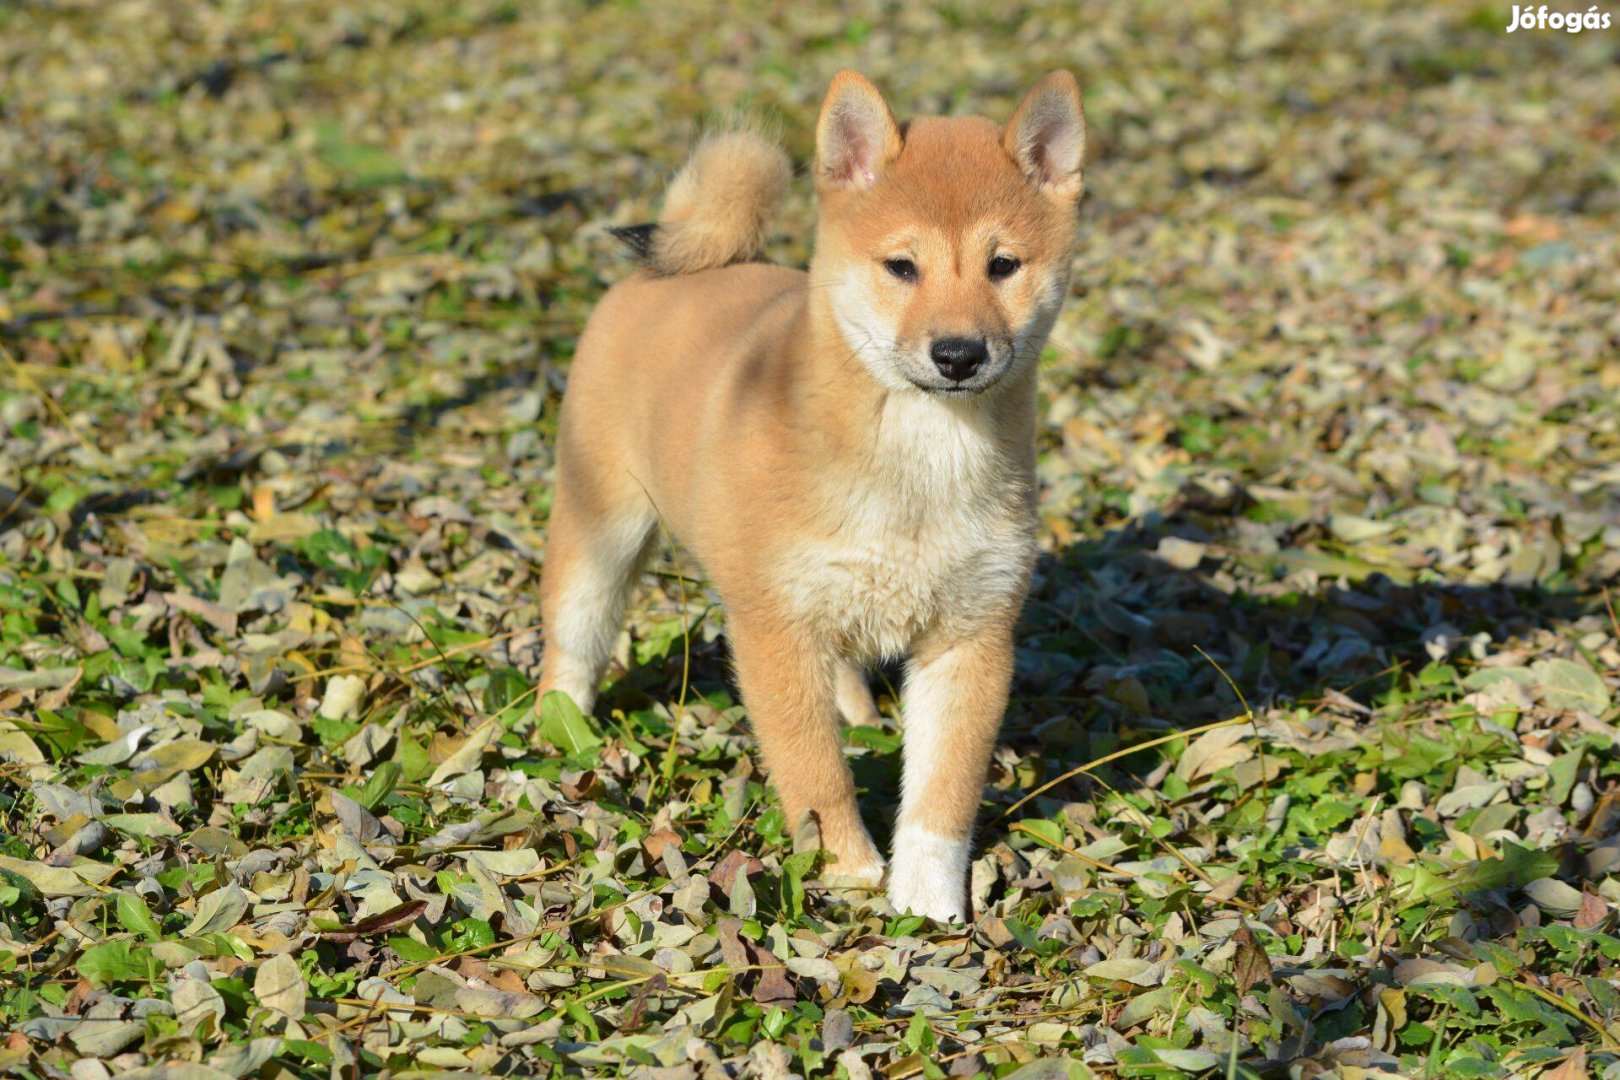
638 238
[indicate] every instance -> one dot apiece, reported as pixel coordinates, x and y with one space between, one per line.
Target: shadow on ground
1117 645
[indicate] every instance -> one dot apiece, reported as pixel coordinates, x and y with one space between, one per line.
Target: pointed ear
1047 136
856 135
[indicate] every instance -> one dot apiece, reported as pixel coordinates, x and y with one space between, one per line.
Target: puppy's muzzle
959 358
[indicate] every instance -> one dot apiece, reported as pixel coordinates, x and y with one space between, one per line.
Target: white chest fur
931 532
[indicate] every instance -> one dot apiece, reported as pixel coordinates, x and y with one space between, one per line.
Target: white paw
929 875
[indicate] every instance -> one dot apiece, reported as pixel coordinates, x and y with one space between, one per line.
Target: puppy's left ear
1047 136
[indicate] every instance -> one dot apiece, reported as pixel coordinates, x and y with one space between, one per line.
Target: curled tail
718 209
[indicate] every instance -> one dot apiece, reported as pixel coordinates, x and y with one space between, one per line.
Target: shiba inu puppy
848 452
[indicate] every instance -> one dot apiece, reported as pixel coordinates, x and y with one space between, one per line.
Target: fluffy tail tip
719 207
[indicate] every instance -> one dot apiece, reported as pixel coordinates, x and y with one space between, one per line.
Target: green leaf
151 826
308 1050
413 759
1047 832
919 1037
1503 959
1025 936
25 891
218 911
1567 685
1193 1061
473 934
1518 866
412 951
136 917
565 727
117 961
1460 998
1520 1006
659 640
795 868
505 686
1561 775
379 785
82 878
333 733
358 165
1485 678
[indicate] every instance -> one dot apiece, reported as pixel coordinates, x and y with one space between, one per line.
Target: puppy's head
944 245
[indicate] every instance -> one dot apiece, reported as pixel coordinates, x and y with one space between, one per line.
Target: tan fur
844 510
721 204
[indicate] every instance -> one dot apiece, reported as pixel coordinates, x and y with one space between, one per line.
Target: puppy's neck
924 443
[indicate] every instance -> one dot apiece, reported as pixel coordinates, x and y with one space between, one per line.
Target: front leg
789 687
955 696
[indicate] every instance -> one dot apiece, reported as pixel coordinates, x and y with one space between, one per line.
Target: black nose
958 357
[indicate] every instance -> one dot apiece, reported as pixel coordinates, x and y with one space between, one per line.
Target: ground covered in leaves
1331 430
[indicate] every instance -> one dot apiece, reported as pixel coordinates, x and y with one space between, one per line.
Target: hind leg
855 702
593 555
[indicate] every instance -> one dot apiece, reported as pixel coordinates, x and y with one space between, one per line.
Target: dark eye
1002 266
904 269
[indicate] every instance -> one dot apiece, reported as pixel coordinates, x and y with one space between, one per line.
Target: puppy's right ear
856 135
